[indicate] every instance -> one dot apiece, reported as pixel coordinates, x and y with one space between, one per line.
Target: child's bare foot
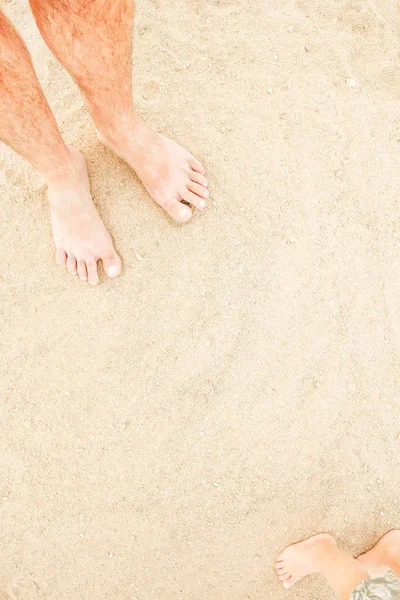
383 556
168 172
80 236
302 559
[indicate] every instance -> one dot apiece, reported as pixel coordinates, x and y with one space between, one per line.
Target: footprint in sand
5 595
151 91
22 591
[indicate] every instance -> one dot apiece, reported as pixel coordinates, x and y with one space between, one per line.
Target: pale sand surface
165 435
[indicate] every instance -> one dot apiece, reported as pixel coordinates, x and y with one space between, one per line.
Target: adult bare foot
298 560
168 172
80 236
379 560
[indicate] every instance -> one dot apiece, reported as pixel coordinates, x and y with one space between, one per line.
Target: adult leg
385 555
319 554
93 40
28 126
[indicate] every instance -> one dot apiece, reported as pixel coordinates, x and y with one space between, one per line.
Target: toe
289 582
112 264
82 270
178 211
198 189
93 276
196 165
198 202
198 178
284 576
281 569
281 557
61 257
71 264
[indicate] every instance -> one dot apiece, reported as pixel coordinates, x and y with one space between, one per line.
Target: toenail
73 273
112 271
184 212
202 203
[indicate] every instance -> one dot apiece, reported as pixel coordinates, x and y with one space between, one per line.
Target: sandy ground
165 435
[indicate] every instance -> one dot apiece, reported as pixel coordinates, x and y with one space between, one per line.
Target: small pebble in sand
290 29
307 48
139 257
350 82
269 90
292 239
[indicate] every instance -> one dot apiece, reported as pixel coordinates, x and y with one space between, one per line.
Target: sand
165 435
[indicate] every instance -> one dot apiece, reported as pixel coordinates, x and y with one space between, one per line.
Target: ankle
324 551
68 172
64 169
118 132
391 557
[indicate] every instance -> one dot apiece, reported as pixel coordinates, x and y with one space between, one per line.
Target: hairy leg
93 40
26 121
319 554
28 126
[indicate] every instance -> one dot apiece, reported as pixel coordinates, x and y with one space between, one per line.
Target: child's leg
320 554
385 555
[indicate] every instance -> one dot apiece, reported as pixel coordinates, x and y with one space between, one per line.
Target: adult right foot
298 560
80 236
380 559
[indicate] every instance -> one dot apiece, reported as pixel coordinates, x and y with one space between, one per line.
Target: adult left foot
298 560
168 172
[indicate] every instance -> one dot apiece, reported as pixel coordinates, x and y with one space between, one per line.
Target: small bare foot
379 560
301 559
79 233
168 172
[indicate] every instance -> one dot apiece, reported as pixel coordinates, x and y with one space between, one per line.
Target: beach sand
165 435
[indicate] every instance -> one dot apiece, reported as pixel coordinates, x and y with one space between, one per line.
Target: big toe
112 264
289 582
178 211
